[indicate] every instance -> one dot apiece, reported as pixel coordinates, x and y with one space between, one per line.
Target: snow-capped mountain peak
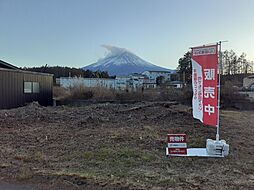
120 61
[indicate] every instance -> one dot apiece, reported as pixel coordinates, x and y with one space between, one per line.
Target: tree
251 66
174 77
233 64
160 80
246 66
184 68
229 62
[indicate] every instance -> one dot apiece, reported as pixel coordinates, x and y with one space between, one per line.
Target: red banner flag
204 84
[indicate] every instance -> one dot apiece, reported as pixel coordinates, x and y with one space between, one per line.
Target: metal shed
18 87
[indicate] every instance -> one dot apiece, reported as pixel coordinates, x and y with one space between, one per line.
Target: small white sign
177 145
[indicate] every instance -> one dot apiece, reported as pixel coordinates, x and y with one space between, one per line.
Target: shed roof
6 65
157 71
26 72
176 82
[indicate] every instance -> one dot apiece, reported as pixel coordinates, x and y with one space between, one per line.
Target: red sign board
204 83
176 138
177 144
174 151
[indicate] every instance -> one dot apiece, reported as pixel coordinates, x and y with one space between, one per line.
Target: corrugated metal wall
12 88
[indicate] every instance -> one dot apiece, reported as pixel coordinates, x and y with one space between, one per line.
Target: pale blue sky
71 32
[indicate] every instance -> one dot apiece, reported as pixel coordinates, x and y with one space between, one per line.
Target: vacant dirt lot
120 146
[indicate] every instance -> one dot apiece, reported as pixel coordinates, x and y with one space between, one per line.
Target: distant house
68 82
149 84
121 82
175 84
132 82
18 87
248 82
136 81
153 75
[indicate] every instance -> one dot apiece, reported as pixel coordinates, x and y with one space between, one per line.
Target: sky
71 32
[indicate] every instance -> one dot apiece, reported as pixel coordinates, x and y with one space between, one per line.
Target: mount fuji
120 61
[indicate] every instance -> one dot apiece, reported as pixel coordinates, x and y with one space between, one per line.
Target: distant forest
58 71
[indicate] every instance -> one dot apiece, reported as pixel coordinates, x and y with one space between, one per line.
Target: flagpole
219 70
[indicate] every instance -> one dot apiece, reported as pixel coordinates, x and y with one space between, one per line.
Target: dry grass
229 94
60 93
24 173
79 92
103 93
183 95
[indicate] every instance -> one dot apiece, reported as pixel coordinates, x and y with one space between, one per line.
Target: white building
149 84
153 75
68 82
175 84
137 81
121 82
248 82
131 82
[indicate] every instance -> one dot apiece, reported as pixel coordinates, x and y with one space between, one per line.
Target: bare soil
120 146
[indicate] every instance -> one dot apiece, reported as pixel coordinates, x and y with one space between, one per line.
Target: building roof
85 78
122 76
27 72
140 76
176 82
6 65
159 71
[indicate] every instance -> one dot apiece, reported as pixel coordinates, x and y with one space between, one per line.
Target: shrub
81 92
102 93
230 95
183 95
60 93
